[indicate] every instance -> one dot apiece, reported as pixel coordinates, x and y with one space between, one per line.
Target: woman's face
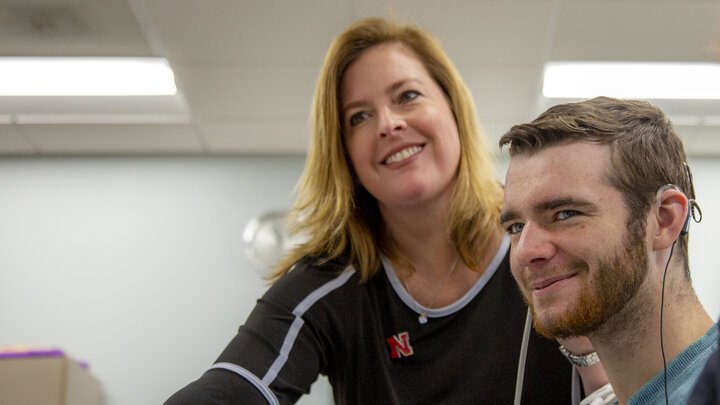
399 129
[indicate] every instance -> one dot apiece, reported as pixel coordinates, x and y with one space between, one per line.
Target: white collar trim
457 305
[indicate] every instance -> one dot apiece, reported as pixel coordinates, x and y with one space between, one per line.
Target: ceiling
246 69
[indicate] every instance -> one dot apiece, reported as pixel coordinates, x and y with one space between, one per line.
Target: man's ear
671 215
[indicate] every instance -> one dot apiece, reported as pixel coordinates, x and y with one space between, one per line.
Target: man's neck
629 344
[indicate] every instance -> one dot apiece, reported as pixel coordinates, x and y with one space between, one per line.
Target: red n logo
400 345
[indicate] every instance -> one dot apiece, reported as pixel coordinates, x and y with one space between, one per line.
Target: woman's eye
357 118
408 95
565 214
514 228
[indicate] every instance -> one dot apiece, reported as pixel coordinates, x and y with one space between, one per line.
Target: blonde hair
336 215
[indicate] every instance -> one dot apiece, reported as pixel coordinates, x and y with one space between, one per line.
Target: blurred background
135 230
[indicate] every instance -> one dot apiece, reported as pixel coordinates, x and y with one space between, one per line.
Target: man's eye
565 214
408 95
514 228
357 118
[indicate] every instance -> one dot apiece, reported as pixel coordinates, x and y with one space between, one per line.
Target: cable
662 306
523 357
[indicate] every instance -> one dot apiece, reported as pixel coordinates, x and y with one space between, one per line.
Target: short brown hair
647 153
337 215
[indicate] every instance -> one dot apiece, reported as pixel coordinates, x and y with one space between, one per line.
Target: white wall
136 264
704 241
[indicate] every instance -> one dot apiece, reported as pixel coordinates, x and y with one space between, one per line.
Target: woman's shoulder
316 277
317 268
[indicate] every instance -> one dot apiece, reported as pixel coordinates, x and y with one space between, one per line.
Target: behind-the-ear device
686 224
693 206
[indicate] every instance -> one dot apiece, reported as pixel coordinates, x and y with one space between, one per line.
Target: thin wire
662 307
523 358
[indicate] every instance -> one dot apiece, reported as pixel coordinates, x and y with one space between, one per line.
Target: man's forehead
579 149
568 161
563 171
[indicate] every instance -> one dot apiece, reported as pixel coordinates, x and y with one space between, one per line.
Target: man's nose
534 247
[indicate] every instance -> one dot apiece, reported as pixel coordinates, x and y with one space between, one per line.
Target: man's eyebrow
550 205
506 216
556 203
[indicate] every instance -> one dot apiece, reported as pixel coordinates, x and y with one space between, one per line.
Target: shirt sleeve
274 358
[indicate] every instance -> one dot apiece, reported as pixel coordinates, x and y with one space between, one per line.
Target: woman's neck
421 236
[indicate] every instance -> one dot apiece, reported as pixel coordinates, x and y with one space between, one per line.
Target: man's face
573 255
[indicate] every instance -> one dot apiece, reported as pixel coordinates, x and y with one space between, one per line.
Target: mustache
547 272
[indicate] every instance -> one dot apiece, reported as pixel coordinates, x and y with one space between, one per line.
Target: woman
402 292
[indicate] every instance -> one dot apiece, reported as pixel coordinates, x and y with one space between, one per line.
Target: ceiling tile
476 32
248 68
648 30
70 28
251 92
269 31
113 139
256 137
12 142
59 105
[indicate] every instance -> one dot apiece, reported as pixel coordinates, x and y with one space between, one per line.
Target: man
597 196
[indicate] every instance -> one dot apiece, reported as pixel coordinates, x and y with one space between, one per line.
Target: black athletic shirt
319 319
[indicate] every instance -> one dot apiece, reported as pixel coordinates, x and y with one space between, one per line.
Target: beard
616 280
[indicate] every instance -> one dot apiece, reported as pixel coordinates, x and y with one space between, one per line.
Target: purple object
33 353
39 352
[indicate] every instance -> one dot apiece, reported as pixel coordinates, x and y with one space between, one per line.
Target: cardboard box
47 381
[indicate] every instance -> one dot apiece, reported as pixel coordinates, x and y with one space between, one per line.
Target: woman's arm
276 355
593 376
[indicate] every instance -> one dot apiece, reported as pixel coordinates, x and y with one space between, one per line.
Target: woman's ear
672 216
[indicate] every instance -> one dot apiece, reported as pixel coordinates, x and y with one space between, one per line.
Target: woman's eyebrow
390 89
401 83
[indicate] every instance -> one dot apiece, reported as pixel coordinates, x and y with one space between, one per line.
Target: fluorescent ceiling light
44 76
632 80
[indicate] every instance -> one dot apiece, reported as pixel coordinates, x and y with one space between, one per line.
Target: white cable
523 358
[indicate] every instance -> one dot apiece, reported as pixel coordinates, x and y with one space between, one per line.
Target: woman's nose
390 122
